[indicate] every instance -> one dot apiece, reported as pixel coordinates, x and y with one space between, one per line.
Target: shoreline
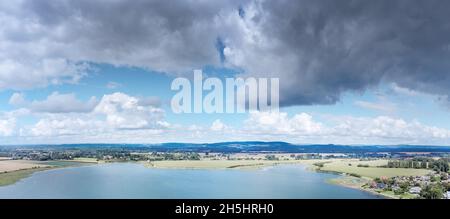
12 177
217 164
309 165
338 181
342 179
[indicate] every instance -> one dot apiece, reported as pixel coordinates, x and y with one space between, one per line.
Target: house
381 185
415 190
373 185
425 178
447 195
396 188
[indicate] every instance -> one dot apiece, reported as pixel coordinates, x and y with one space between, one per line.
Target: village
393 175
433 186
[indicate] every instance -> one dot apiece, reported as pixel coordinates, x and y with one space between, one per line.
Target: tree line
440 165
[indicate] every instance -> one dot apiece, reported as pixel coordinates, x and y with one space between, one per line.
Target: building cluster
437 182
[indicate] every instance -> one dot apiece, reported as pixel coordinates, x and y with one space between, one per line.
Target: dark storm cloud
167 36
319 48
338 46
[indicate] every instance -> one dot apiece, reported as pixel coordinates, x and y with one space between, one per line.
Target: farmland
370 169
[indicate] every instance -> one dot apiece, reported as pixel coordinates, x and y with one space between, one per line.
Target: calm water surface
128 180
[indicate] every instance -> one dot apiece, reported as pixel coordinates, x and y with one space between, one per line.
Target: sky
351 72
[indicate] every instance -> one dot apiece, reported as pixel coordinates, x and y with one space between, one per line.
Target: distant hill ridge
248 146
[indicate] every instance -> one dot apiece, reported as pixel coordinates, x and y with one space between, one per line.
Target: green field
63 163
391 194
216 164
342 166
14 176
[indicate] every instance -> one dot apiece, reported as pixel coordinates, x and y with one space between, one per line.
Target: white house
447 195
415 190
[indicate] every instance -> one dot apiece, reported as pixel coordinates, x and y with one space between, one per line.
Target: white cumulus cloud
126 112
7 126
280 123
54 103
217 125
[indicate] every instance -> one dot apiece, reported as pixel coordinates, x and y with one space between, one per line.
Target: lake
131 180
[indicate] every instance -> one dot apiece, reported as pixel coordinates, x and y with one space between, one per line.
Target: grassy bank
358 183
370 169
217 164
9 178
359 173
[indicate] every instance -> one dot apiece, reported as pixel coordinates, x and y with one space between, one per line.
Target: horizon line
227 142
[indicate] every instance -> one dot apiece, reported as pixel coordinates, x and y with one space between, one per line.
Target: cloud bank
319 49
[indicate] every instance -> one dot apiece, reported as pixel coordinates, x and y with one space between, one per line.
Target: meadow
218 164
14 165
372 171
12 171
14 176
